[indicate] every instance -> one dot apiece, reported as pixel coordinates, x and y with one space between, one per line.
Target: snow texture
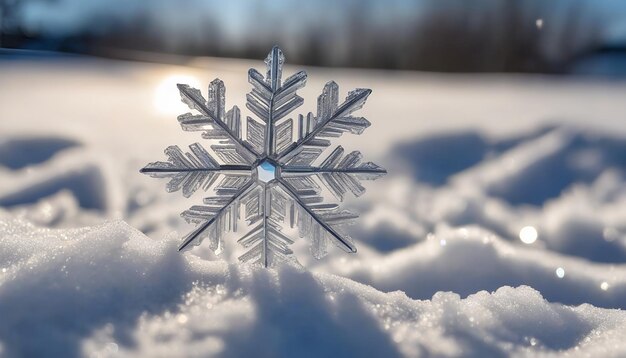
269 174
108 290
88 261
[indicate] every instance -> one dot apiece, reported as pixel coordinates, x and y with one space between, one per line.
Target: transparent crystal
284 188
266 171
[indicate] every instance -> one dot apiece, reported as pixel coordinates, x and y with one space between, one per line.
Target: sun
166 95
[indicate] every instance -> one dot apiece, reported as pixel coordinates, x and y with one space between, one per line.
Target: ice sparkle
266 171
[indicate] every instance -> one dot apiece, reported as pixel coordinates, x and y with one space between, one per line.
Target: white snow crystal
269 173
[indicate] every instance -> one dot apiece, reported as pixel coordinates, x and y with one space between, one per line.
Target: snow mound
471 259
57 285
36 169
21 152
109 290
566 183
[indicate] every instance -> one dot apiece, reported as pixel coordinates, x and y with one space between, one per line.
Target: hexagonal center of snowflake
266 171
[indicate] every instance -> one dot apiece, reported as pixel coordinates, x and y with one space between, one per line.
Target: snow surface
116 292
88 260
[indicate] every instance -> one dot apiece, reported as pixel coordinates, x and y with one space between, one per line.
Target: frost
270 173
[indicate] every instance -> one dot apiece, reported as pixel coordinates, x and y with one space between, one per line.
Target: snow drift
111 291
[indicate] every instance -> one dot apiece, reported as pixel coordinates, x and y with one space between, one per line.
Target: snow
116 292
498 231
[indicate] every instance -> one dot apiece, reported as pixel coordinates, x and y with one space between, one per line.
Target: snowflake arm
211 216
318 222
271 100
340 175
215 123
332 121
191 171
265 243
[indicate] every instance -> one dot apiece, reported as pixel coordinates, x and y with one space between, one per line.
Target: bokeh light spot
539 23
528 234
560 272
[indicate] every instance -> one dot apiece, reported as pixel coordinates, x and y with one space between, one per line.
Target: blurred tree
433 35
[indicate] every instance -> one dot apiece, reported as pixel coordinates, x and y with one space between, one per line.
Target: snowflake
271 173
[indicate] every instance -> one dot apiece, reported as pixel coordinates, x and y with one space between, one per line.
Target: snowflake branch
267 197
271 99
347 107
321 170
192 236
339 173
275 70
345 245
221 169
202 107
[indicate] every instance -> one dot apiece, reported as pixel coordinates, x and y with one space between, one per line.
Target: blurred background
556 36
479 108
501 124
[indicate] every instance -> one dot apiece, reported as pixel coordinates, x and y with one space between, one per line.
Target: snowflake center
266 171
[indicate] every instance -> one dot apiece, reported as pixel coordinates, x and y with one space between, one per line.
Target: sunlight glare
167 97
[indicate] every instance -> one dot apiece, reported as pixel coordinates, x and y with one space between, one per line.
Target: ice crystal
268 176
